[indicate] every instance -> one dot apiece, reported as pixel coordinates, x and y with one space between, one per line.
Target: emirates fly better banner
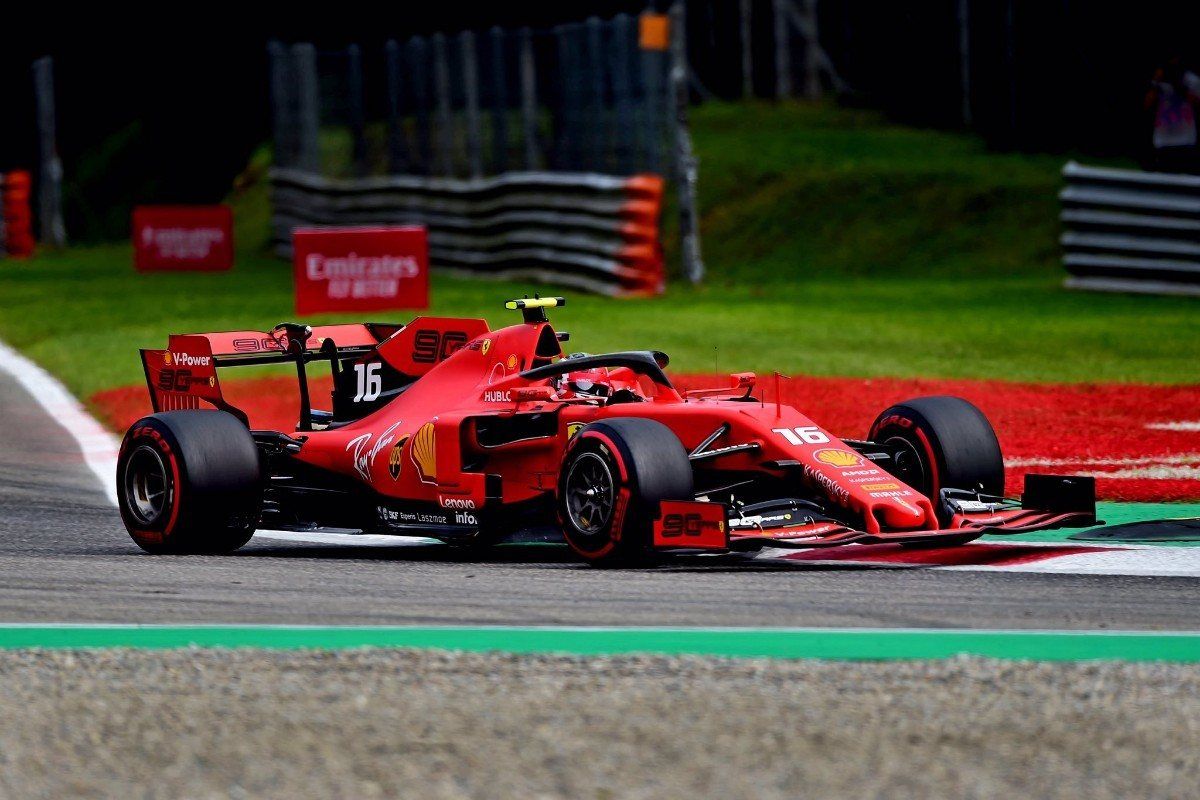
360 269
182 238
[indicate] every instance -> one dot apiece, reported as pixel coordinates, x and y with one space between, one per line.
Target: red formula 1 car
446 429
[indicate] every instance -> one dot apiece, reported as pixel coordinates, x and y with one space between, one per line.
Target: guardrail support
470 76
499 101
50 218
685 159
308 106
529 124
441 89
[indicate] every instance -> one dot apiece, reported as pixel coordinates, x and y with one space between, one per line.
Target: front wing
1048 502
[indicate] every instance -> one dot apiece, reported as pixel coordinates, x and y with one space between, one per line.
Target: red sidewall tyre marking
621 503
931 459
155 438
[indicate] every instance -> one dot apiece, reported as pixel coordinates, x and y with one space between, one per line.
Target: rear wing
185 374
240 348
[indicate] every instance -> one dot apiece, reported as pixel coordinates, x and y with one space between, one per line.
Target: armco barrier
598 233
1127 230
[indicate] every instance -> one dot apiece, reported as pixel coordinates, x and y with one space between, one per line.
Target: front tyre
614 475
941 442
189 482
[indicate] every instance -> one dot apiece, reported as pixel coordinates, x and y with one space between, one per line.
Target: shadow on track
546 555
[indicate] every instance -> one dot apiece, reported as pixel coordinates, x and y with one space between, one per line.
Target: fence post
470 69
308 107
569 131
596 122
358 133
783 51
685 159
625 124
441 89
812 51
964 60
418 53
499 102
815 58
653 106
282 124
398 161
528 98
1010 64
744 17
50 218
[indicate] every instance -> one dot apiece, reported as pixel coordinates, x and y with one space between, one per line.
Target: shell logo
487 345
512 361
167 358
838 458
424 453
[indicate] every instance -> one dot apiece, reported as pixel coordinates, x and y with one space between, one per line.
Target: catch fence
528 154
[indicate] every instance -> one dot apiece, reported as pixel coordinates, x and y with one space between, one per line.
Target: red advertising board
360 269
182 238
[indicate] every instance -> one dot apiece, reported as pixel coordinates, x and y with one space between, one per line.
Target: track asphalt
64 557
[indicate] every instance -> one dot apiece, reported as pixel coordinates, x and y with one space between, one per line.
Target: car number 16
370 382
809 434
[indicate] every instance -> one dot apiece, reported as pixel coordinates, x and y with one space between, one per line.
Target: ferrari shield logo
573 428
487 345
394 459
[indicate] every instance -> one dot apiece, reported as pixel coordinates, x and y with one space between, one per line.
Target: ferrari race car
443 428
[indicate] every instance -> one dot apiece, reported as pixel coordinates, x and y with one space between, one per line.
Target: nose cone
903 515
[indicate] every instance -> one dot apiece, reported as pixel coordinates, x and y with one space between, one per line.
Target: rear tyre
189 482
613 477
942 442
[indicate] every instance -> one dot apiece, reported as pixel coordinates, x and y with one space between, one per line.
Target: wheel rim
590 494
910 465
146 485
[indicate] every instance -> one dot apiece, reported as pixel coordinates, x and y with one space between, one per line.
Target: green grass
836 244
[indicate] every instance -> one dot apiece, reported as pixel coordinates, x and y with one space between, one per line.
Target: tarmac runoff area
141 711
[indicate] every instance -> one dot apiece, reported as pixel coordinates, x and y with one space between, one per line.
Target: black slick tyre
189 482
614 474
942 442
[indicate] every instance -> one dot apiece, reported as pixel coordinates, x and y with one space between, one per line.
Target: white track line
1139 461
1182 425
1144 561
99 447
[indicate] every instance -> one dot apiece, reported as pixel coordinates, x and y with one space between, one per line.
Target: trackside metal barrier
1132 231
597 233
